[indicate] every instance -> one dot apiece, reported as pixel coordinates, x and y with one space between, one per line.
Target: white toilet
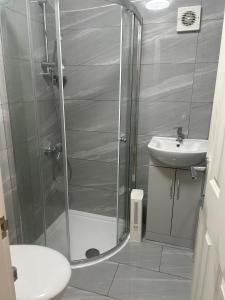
43 273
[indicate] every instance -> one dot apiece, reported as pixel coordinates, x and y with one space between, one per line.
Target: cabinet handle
178 189
171 189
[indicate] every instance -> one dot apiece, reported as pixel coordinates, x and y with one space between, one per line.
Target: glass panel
35 120
51 122
90 53
124 130
22 111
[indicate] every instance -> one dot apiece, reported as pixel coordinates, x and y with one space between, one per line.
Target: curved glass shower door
96 53
70 84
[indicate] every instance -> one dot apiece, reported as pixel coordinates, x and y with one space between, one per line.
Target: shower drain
92 252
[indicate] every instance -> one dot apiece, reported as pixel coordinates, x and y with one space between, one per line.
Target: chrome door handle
178 189
171 189
123 139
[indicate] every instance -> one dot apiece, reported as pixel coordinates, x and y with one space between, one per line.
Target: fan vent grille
189 18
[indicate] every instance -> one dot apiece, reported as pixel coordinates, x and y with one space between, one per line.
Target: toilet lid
42 272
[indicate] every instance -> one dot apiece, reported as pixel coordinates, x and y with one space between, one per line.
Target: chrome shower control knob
123 139
49 149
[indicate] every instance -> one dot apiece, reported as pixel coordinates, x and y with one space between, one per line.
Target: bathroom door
7 291
124 122
209 274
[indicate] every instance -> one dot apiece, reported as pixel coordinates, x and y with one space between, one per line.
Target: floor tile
141 255
76 294
177 262
132 283
97 278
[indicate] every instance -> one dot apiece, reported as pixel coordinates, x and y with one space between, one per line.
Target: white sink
170 152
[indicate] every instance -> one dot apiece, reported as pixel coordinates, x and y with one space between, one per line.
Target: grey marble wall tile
38 226
11 162
94 174
55 205
131 283
142 182
142 149
89 115
36 11
209 41
18 80
200 120
165 15
3 144
51 31
142 177
177 262
72 293
18 6
101 82
97 278
91 46
160 118
213 9
166 82
146 256
32 156
204 82
4 164
22 121
48 122
21 155
162 44
38 41
108 14
10 214
3 92
91 200
82 5
92 145
15 35
21 7
43 84
52 172
8 195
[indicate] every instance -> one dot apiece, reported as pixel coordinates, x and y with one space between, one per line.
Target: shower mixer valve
54 149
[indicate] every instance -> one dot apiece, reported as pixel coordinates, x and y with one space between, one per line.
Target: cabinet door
186 205
160 199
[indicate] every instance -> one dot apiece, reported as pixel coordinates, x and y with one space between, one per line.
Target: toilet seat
43 273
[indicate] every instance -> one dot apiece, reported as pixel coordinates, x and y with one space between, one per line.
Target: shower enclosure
73 124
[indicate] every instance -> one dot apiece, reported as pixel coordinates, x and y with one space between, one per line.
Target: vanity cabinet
173 205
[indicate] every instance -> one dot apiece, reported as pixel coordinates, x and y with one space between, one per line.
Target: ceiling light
157 4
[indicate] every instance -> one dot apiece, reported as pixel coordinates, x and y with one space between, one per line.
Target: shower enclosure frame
125 5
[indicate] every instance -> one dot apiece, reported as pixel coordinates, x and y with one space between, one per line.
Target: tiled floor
145 271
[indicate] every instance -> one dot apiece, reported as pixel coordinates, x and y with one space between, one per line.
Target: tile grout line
113 279
73 287
167 245
154 270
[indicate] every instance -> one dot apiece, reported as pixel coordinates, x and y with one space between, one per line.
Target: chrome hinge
4 226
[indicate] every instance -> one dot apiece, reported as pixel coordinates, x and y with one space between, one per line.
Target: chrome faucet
180 135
